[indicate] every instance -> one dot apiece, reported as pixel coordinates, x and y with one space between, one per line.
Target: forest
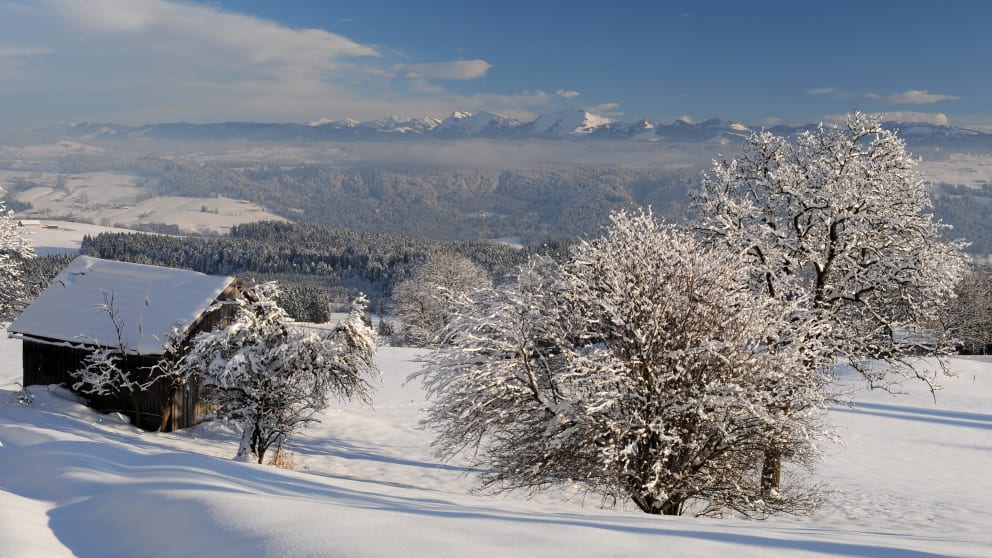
534 205
307 259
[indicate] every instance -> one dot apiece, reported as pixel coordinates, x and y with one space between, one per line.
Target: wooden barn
70 319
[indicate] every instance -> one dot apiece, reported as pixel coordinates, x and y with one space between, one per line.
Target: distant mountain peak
567 123
484 124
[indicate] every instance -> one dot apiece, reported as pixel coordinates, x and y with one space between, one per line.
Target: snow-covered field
965 169
110 198
912 480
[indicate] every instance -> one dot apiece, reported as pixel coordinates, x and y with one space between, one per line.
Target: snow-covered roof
147 299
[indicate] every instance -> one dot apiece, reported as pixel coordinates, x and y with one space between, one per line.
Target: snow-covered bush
841 217
274 377
425 301
643 368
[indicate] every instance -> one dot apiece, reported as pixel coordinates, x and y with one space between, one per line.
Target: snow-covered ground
111 198
912 480
62 237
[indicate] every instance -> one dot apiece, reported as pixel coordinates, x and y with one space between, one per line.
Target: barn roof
147 299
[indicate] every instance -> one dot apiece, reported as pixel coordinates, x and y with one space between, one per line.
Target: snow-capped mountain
402 124
566 123
343 124
480 124
575 124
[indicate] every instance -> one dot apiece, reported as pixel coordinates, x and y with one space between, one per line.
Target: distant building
67 322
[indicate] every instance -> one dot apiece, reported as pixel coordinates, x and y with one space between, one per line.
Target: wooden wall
51 362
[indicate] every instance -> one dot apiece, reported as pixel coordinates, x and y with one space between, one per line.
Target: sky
145 61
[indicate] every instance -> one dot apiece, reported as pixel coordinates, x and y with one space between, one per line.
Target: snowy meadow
911 479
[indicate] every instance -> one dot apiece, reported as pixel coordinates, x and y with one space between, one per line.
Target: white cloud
140 61
454 70
937 118
913 97
771 121
605 109
823 91
566 94
686 118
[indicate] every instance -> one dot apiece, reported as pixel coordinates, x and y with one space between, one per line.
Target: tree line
306 259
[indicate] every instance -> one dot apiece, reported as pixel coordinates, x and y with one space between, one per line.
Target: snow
402 124
468 124
567 123
111 198
912 480
149 300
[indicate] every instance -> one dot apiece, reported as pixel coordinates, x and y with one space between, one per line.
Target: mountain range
569 124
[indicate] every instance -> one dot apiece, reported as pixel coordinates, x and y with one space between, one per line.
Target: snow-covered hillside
912 480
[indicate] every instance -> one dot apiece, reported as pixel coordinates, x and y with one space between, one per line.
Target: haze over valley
558 176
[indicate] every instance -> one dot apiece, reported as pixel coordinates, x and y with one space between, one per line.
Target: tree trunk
771 472
256 443
167 411
649 504
244 446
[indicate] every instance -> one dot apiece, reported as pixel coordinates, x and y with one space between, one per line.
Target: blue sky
138 61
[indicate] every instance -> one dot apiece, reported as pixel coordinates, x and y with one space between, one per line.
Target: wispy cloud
454 70
823 91
937 118
771 121
913 97
566 94
605 109
9 51
139 61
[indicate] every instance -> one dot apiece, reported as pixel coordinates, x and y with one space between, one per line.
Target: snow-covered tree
644 368
841 217
969 315
14 249
425 301
274 376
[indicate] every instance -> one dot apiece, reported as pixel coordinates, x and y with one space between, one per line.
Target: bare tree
106 370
